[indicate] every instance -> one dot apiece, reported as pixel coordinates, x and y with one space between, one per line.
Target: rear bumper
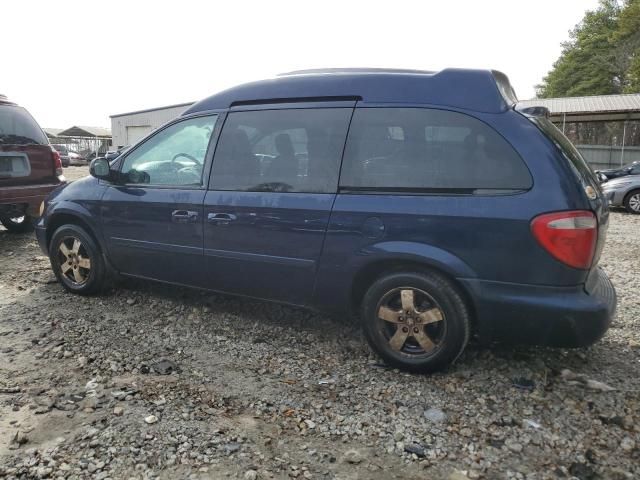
541 315
26 197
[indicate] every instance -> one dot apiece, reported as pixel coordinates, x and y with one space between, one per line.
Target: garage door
136 132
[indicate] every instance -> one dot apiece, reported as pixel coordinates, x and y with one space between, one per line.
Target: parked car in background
30 168
64 154
630 169
76 159
624 192
419 194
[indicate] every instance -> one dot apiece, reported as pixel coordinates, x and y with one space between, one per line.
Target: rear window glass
568 150
428 149
61 148
17 127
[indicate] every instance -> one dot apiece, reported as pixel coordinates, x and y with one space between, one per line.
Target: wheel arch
375 269
64 217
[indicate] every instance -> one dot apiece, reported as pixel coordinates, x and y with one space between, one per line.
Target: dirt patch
154 381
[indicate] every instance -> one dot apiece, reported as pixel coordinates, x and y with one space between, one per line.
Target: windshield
17 127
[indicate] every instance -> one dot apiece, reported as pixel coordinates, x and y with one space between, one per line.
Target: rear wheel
76 260
416 321
19 224
632 202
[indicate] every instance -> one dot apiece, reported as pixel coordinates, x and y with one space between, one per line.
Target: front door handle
184 216
220 217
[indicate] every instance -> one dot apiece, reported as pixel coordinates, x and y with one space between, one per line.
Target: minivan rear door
272 187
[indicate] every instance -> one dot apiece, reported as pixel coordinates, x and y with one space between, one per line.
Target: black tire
21 224
632 202
439 312
66 266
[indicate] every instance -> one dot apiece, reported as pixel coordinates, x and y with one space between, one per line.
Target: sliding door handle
220 217
184 216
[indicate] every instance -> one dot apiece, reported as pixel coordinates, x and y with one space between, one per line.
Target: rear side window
17 127
289 150
568 150
416 149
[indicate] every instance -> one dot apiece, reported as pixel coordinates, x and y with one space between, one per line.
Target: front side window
404 149
295 150
174 156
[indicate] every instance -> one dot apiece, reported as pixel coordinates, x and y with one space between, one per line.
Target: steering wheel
186 155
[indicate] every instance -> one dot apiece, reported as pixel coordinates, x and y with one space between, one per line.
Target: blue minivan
428 203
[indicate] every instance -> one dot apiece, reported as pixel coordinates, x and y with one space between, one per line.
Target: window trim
208 157
400 191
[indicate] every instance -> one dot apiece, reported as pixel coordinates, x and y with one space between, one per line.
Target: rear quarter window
17 127
421 149
568 150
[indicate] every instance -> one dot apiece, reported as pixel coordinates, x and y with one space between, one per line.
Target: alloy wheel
411 321
75 264
634 202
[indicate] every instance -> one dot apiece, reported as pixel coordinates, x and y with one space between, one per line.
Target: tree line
602 55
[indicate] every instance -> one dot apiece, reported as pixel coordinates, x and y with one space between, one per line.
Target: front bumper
41 236
542 315
614 197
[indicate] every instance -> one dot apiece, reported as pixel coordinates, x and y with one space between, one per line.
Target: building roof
592 104
478 90
188 104
83 131
52 132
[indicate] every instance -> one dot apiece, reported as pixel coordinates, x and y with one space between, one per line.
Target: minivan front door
153 219
272 186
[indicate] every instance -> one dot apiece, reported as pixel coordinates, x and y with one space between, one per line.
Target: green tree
627 40
602 55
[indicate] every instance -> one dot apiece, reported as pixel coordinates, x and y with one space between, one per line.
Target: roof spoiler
533 111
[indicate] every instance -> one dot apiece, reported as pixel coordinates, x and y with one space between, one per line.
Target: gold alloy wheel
75 263
412 321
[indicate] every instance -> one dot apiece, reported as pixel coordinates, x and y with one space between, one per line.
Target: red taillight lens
570 237
57 161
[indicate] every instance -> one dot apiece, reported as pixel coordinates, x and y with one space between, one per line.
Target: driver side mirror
100 168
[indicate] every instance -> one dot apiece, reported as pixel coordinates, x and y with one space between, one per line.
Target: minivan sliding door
272 186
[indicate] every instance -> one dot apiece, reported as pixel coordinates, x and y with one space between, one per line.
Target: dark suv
29 167
428 203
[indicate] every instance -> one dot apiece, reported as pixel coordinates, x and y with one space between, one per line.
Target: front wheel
76 260
20 224
416 321
632 202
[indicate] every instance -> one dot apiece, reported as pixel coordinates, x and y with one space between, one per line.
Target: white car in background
624 192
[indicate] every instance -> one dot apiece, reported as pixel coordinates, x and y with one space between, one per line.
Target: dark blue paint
307 249
272 247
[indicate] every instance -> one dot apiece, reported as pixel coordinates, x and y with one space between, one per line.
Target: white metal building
128 128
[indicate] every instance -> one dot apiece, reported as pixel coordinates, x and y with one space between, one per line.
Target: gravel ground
151 381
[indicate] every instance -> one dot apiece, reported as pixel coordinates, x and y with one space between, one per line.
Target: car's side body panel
311 249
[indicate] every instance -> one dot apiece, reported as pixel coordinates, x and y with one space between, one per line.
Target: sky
77 62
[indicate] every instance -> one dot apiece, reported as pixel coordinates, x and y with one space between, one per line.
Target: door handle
184 216
220 217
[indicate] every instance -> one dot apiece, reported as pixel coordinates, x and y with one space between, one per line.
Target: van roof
479 90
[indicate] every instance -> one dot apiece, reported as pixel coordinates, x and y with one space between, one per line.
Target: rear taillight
570 237
57 161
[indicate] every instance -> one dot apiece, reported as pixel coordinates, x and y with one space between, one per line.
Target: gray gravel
150 381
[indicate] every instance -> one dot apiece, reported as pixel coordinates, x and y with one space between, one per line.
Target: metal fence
604 156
